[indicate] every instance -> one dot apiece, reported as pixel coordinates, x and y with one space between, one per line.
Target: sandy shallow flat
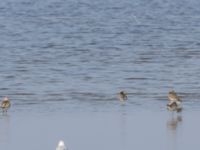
101 131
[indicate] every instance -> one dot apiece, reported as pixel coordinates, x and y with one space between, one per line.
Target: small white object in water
61 146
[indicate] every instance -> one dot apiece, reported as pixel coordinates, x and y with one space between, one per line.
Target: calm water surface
63 61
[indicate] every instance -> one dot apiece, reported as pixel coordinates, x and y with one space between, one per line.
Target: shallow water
62 63
122 130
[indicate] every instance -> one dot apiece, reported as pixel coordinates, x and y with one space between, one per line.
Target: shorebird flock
174 104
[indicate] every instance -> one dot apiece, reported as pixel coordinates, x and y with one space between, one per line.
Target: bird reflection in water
173 126
4 128
123 127
174 121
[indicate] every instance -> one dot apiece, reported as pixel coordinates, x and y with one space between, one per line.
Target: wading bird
122 96
5 104
174 102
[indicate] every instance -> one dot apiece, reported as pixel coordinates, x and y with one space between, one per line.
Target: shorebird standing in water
5 104
174 102
61 146
173 97
122 96
174 107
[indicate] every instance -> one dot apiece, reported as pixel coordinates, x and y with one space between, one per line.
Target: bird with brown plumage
5 104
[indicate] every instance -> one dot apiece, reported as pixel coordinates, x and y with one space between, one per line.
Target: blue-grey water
64 61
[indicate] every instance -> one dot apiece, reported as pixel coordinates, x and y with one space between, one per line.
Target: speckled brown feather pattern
5 104
172 96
